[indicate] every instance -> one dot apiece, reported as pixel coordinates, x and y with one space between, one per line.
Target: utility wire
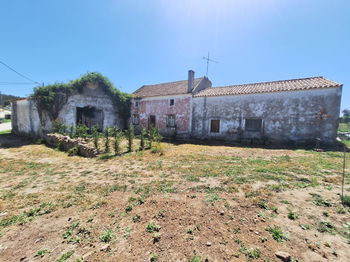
19 73
16 83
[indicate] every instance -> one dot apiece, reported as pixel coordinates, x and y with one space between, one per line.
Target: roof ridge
275 81
170 82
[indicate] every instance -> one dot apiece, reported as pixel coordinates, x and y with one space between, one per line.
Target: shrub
106 135
130 134
152 227
59 127
277 233
81 131
142 138
154 136
107 236
346 200
96 136
72 133
118 137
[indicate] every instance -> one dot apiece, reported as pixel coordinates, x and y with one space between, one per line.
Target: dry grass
187 182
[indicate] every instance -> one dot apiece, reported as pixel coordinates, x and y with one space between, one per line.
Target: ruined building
290 111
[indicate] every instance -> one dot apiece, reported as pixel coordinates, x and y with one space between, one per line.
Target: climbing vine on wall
51 98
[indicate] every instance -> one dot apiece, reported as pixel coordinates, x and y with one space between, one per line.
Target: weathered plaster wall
287 116
160 108
94 98
25 118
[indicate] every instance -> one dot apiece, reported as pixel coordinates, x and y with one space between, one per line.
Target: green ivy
51 98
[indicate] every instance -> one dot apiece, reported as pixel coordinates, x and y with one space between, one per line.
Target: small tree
81 131
59 127
130 134
142 138
118 138
96 136
106 135
72 131
154 136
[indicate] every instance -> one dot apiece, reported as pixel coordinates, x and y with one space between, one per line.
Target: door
152 121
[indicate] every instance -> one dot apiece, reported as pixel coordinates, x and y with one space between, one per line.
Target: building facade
290 111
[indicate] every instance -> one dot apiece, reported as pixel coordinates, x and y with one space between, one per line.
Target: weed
128 208
319 201
196 259
212 198
107 236
277 233
42 252
304 227
325 227
65 256
346 200
292 215
341 210
156 237
153 257
136 218
153 227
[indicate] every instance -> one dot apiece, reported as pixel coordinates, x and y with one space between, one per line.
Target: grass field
184 203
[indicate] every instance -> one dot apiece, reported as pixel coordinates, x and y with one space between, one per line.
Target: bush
346 200
59 127
81 131
118 137
106 135
142 138
154 136
130 134
96 136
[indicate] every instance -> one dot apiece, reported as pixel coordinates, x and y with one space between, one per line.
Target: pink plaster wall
161 108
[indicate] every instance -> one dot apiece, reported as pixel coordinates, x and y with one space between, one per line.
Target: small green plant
196 259
325 227
72 131
136 218
42 252
152 227
59 127
96 136
212 198
346 200
107 236
118 138
319 201
154 136
292 216
277 233
130 134
128 208
153 257
106 136
143 134
65 256
81 131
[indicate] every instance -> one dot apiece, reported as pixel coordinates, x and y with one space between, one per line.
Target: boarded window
172 102
215 126
171 121
253 125
136 119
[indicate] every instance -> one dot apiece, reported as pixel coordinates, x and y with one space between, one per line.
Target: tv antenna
209 60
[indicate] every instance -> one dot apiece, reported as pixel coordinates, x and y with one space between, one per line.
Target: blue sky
137 42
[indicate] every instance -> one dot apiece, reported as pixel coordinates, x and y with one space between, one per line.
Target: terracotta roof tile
164 89
267 87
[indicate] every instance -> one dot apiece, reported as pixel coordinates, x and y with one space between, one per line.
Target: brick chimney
190 80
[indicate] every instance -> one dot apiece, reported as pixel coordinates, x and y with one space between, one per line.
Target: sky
135 42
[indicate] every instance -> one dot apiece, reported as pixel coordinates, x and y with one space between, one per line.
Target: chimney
190 80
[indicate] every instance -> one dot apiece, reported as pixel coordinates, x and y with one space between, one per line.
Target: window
253 125
215 126
171 121
136 104
172 102
135 119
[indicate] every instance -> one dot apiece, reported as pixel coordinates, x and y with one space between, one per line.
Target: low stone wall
67 143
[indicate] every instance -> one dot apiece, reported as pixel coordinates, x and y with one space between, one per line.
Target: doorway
152 121
90 116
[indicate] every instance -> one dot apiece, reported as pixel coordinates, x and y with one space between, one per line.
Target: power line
16 83
19 73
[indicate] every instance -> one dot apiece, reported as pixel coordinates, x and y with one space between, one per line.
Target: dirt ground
187 203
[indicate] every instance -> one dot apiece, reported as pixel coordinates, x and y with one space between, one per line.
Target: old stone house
289 111
90 106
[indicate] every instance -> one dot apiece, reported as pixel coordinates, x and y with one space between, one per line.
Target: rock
3 214
284 256
208 244
222 212
105 248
